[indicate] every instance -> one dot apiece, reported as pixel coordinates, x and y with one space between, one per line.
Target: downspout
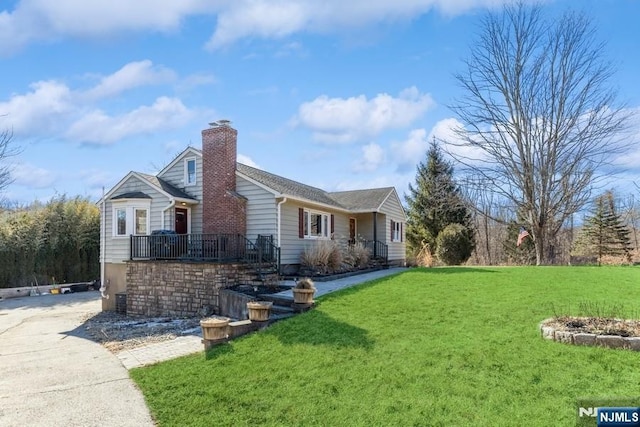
103 246
172 204
278 214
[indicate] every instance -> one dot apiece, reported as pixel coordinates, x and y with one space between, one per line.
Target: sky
338 95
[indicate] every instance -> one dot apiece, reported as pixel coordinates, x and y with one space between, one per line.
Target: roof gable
165 187
187 152
154 182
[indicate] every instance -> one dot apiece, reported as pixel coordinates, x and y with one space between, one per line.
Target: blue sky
340 95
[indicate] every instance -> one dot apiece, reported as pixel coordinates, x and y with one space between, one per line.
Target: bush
324 257
356 255
454 245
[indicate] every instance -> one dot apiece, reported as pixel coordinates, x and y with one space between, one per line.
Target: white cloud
31 176
246 160
132 75
281 18
45 20
346 120
99 128
372 158
409 152
97 178
39 110
53 108
445 133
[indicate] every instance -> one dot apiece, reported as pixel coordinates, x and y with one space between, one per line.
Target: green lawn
437 347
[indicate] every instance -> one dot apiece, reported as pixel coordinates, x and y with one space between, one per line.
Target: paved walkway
51 374
182 346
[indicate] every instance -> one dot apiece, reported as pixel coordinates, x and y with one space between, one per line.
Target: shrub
323 256
454 245
357 255
305 283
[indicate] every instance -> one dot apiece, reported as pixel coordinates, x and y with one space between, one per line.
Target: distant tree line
54 242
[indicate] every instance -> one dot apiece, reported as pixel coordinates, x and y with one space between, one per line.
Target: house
224 217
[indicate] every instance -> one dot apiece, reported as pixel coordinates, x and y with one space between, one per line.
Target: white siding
175 176
393 210
261 209
292 245
117 249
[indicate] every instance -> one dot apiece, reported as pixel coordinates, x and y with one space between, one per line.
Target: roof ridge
282 177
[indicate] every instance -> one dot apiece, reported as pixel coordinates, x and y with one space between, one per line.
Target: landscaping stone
548 332
581 338
611 341
633 343
564 336
584 339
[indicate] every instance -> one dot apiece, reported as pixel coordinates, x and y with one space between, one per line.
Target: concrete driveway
52 375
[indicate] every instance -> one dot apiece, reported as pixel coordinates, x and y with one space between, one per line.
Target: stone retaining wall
581 338
166 288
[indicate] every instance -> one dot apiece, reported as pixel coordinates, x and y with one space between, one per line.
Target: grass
437 347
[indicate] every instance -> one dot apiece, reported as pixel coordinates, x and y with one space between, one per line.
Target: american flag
522 235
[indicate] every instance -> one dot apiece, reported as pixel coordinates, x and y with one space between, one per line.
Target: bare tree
6 150
539 112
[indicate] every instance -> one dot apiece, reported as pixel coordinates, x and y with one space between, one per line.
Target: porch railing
377 249
206 247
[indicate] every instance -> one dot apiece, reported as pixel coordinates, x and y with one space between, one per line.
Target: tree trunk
539 243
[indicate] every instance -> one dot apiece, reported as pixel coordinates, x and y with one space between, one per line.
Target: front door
352 230
181 225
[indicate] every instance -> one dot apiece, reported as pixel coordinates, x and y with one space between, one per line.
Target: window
396 231
316 224
121 222
131 218
141 221
190 171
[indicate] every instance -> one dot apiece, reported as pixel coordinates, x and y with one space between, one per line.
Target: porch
221 248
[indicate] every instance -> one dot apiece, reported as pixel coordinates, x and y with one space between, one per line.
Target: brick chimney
223 210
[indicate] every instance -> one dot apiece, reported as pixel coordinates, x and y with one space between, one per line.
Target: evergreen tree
525 254
604 232
435 202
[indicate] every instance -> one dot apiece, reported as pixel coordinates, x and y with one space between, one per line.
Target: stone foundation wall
164 288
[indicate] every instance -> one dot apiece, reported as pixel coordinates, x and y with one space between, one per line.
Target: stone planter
303 296
259 310
215 328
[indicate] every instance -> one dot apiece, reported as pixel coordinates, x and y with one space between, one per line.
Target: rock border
594 340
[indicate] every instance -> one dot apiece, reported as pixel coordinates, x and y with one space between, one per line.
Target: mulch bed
596 325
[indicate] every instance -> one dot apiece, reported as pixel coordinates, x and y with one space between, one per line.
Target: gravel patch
118 332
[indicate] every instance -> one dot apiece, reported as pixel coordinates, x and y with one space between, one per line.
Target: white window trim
397 231
186 171
130 207
326 219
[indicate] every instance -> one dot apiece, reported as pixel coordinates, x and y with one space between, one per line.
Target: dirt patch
596 325
118 332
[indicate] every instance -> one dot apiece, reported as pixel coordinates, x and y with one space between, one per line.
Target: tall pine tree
604 232
435 202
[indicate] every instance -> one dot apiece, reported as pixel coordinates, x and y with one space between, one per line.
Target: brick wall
180 288
224 210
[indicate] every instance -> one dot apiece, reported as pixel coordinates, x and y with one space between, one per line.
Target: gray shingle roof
166 187
132 195
368 200
288 187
